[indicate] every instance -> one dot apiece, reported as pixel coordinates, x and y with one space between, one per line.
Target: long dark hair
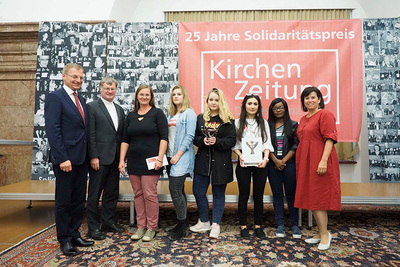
258 117
287 121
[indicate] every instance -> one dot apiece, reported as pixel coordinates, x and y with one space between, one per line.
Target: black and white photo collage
143 53
382 79
60 43
132 53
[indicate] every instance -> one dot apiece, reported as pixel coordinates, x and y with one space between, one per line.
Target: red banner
277 59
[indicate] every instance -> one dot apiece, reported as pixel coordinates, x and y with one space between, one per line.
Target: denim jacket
185 130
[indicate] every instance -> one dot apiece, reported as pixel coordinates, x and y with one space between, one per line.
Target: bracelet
159 160
266 158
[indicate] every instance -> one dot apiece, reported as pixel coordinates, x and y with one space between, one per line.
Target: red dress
313 191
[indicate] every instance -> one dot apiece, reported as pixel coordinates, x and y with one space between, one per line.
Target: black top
143 133
215 161
288 144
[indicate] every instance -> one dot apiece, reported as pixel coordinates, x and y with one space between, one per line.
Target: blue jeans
200 186
278 179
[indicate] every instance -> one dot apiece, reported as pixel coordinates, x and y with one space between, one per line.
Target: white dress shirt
112 111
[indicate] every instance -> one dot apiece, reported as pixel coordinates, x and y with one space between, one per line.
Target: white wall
48 10
153 10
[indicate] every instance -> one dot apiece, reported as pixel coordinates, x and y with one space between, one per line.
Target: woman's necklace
251 124
278 124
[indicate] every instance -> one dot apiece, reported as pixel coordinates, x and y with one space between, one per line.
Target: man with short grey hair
66 123
105 133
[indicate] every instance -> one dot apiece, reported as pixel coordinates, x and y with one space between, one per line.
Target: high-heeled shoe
326 246
312 240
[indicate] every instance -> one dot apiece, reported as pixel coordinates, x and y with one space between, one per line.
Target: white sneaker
200 227
215 230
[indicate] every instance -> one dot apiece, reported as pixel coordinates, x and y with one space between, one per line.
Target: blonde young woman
145 136
215 136
180 153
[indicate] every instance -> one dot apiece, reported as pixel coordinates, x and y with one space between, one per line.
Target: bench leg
310 218
132 213
300 218
29 204
310 221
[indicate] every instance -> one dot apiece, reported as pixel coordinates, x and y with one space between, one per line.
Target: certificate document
252 151
151 162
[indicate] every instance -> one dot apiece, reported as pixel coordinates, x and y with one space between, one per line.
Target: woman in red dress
317 164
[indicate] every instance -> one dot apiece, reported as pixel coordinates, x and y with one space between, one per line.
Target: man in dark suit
67 131
105 133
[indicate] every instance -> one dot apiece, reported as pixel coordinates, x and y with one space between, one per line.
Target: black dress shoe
68 249
115 228
96 234
79 242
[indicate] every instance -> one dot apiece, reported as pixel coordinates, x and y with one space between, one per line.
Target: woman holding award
282 167
215 136
253 145
144 140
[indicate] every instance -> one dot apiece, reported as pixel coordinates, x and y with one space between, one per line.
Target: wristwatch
266 158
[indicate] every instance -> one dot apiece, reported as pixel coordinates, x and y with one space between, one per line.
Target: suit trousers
106 181
70 200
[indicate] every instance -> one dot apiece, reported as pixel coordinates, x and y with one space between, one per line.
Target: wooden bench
352 193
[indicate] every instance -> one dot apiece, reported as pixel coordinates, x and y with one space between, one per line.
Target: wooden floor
17 222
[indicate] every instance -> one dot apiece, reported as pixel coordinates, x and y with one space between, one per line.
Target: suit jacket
65 129
104 140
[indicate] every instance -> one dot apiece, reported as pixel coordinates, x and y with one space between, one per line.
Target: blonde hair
185 104
224 112
69 66
140 88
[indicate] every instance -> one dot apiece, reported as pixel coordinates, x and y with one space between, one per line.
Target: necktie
79 106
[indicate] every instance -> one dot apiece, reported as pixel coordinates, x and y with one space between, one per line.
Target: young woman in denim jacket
180 153
282 167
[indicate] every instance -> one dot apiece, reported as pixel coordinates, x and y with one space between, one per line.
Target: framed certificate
252 151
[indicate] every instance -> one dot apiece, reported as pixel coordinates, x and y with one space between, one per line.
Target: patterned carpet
363 236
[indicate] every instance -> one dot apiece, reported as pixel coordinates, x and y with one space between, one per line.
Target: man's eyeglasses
109 89
75 77
278 108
